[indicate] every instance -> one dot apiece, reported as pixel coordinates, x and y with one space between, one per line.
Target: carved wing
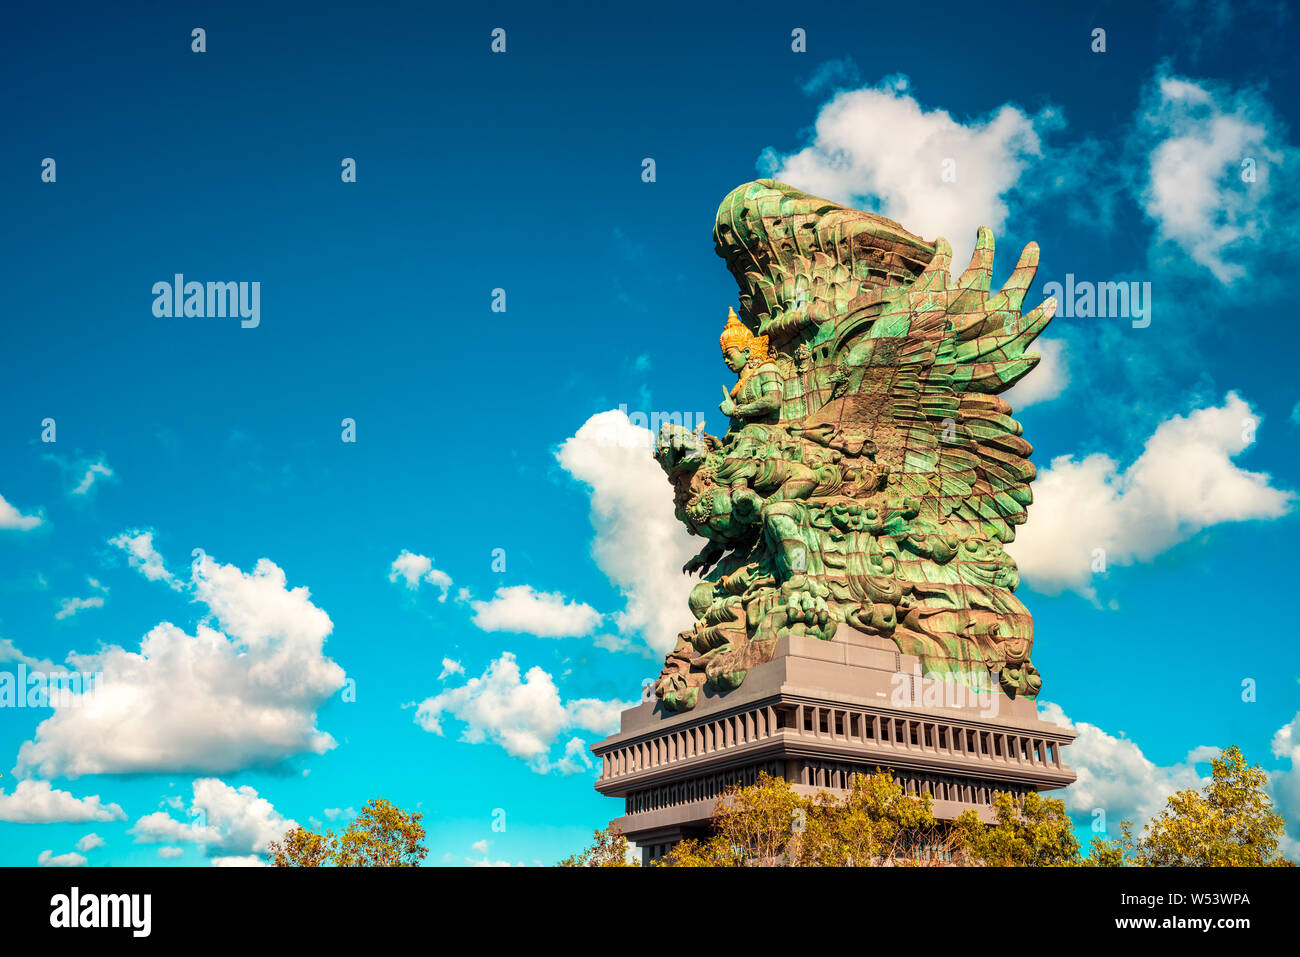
926 367
801 260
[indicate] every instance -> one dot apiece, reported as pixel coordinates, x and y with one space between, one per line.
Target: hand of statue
696 564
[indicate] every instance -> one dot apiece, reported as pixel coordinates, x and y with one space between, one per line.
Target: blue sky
490 444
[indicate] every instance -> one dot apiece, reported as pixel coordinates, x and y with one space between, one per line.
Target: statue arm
709 556
768 401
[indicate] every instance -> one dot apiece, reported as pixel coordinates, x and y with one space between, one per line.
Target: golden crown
735 335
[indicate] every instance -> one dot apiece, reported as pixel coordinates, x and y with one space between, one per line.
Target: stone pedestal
817 713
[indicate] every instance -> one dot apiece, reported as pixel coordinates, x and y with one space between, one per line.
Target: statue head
739 345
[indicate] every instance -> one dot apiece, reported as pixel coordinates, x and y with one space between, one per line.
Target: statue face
736 358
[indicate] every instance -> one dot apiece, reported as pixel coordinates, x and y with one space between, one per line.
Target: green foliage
1117 853
769 824
382 835
1228 823
302 847
609 848
876 823
1032 832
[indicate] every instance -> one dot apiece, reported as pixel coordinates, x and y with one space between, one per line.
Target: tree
753 826
302 847
1229 823
769 824
382 835
609 848
1117 853
1032 832
877 823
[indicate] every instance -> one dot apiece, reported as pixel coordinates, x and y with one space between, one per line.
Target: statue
870 475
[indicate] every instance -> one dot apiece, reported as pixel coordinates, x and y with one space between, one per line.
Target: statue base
816 714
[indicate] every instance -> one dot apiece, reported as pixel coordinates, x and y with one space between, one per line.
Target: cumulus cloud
414 569
49 859
248 860
90 842
1114 775
1285 784
878 148
639 544
1047 381
520 609
242 691
1184 481
10 652
170 853
522 714
141 554
10 517
227 821
450 667
1209 189
39 802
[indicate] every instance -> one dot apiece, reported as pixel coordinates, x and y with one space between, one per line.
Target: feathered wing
928 371
801 261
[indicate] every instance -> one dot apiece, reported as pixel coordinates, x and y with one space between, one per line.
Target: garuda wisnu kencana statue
870 474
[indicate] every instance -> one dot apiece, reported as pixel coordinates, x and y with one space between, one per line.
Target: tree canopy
382 835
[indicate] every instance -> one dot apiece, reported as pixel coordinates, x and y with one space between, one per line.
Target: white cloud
1203 141
1184 481
170 853
222 818
878 148
1047 381
1285 784
248 860
39 802
1117 778
215 701
90 842
70 606
449 668
10 652
47 859
346 813
10 517
518 608
88 479
575 758
479 847
639 544
413 569
524 715
141 554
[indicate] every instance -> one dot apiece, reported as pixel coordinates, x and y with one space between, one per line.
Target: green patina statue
870 474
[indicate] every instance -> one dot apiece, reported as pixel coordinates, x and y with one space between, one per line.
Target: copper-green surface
870 473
